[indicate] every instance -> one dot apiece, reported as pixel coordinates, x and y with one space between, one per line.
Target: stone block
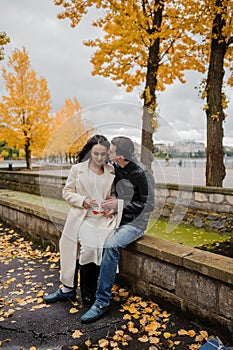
173 193
159 273
229 199
166 212
12 215
200 197
185 195
187 286
207 293
42 228
161 192
5 213
31 223
216 198
165 297
226 301
21 220
198 222
132 263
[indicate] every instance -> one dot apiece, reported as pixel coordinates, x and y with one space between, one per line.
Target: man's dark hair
124 147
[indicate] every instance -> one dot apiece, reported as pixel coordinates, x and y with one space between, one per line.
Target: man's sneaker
59 295
94 313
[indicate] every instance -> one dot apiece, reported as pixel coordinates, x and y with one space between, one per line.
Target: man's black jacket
135 185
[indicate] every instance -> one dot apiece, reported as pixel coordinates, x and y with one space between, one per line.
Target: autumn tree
219 41
68 132
144 42
24 110
4 40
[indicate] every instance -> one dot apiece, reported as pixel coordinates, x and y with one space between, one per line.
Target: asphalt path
26 323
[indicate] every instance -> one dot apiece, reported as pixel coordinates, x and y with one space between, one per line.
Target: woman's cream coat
75 192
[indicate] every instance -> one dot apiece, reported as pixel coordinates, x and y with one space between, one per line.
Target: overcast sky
57 53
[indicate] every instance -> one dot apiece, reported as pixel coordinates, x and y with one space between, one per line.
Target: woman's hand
90 203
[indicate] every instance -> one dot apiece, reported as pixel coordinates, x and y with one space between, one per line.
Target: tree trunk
28 153
149 95
147 138
215 168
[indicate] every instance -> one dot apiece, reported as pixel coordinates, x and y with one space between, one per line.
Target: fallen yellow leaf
40 294
143 339
154 340
103 343
199 338
204 335
88 343
73 310
182 332
191 333
166 335
77 334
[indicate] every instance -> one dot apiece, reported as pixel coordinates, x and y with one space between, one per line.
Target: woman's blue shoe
94 313
59 295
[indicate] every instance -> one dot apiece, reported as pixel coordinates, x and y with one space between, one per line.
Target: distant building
161 148
190 147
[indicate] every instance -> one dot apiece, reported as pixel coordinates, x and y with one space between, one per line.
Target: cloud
57 53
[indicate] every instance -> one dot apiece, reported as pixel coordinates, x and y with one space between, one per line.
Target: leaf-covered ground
27 272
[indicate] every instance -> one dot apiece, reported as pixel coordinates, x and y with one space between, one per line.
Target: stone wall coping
27 173
189 188
57 217
209 264
212 265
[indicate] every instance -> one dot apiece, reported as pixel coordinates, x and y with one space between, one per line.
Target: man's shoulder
140 167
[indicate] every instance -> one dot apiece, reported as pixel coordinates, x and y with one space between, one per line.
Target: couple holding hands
111 196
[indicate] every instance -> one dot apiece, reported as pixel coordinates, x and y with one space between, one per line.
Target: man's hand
110 204
108 213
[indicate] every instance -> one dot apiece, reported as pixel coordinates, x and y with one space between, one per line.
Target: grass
188 235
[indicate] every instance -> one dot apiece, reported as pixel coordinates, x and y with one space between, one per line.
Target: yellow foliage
25 108
68 131
131 31
4 40
153 43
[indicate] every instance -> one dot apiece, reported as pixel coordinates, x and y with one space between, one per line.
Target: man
135 187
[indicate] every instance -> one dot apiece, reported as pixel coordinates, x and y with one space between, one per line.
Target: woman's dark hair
85 153
124 147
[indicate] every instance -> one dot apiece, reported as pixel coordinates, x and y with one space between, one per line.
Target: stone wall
45 185
33 221
210 208
194 282
197 283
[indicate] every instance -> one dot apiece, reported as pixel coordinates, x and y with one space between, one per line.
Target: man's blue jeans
123 236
